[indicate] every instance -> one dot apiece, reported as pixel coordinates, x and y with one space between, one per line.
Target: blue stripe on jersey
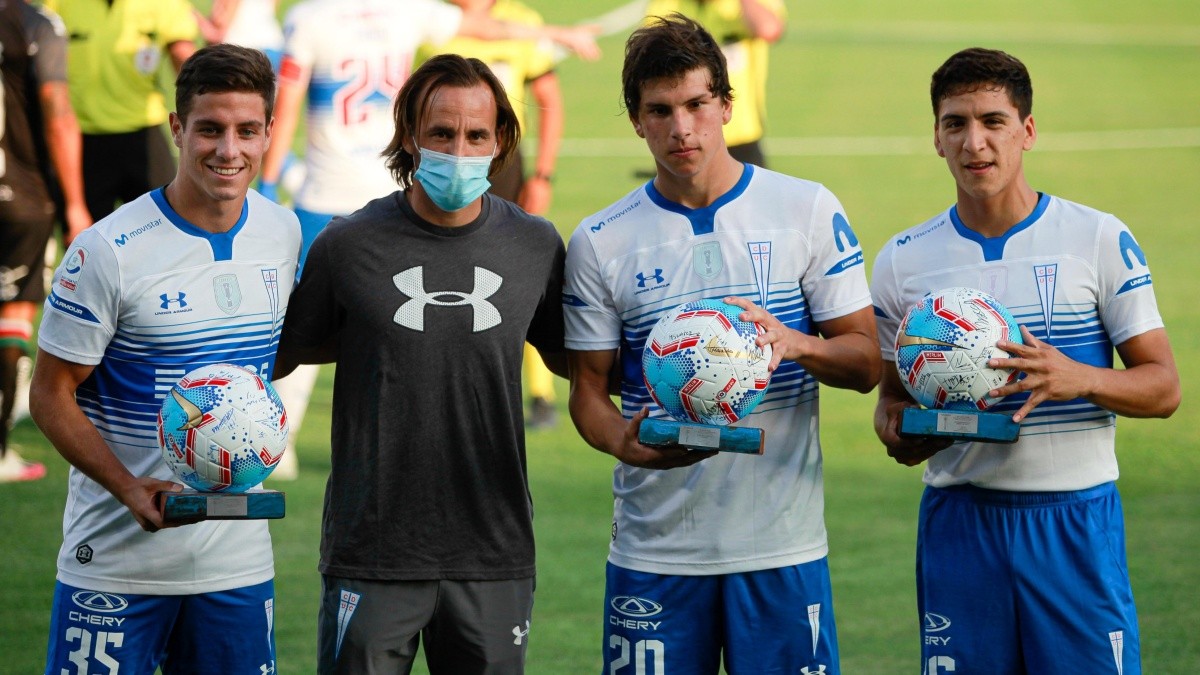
1143 280
702 219
221 242
993 247
321 92
72 309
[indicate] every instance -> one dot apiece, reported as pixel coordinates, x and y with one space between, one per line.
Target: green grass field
1116 103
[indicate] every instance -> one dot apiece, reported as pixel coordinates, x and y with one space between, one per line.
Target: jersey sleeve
834 282
298 36
441 21
546 329
589 313
313 313
885 296
50 35
81 312
1128 306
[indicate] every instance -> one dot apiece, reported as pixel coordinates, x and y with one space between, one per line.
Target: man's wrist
544 175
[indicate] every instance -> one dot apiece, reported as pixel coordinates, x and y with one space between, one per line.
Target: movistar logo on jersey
125 238
411 314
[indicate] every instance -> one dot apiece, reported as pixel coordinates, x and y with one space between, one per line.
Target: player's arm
214 26
53 407
180 51
579 39
1148 386
537 191
846 355
601 424
893 398
293 82
763 22
65 144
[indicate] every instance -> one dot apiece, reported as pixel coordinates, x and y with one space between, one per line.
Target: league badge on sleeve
942 350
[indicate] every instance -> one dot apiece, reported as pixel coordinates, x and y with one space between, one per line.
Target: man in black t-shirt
39 132
425 299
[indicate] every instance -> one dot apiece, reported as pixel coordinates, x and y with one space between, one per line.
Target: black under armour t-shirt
429 476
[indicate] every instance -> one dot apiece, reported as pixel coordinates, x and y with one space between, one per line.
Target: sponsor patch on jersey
227 292
706 260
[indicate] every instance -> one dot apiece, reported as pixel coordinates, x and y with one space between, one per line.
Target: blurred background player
133 308
427 536
350 57
1021 547
39 150
731 547
249 23
745 29
523 66
115 51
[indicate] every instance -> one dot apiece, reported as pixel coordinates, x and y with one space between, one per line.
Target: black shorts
25 227
466 627
119 168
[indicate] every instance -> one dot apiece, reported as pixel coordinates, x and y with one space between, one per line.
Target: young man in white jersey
140 299
425 299
1021 548
714 558
349 58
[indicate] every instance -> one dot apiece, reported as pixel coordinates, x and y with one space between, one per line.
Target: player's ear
1030 132
637 126
176 129
937 141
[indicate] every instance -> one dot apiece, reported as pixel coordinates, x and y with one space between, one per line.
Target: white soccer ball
701 364
943 346
222 428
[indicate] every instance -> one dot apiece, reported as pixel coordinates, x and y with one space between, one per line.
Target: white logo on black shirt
411 314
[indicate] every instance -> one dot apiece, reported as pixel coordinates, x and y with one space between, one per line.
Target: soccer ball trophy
942 350
703 369
222 430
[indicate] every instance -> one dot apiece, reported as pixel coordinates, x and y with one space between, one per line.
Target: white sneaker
13 469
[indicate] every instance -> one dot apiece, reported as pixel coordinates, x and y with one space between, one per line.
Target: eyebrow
991 113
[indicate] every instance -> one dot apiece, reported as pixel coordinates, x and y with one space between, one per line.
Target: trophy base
191 506
744 440
960 425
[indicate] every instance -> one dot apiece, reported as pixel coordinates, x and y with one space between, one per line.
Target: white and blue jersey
145 296
358 54
781 242
1077 279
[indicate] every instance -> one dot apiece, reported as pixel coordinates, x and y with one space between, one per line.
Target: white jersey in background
255 25
145 297
1077 279
359 53
781 242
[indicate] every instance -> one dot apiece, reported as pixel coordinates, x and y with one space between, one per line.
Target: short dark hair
671 47
223 68
978 68
446 70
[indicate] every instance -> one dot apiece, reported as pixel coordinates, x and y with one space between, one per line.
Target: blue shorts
311 224
1024 582
103 633
759 623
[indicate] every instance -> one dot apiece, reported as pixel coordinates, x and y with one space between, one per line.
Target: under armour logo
806 671
166 301
520 634
656 276
411 314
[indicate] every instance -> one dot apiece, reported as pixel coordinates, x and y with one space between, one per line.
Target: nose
681 123
974 139
227 146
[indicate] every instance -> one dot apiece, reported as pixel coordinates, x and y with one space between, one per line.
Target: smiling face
682 122
983 138
221 145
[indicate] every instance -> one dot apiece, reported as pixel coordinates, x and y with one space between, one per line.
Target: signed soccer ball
943 346
222 428
701 364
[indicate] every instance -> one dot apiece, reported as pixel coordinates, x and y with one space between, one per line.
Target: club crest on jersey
760 262
1047 279
706 260
227 293
994 281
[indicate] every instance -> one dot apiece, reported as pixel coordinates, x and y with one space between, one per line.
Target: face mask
451 181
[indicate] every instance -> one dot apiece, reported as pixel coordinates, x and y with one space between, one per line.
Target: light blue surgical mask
451 181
